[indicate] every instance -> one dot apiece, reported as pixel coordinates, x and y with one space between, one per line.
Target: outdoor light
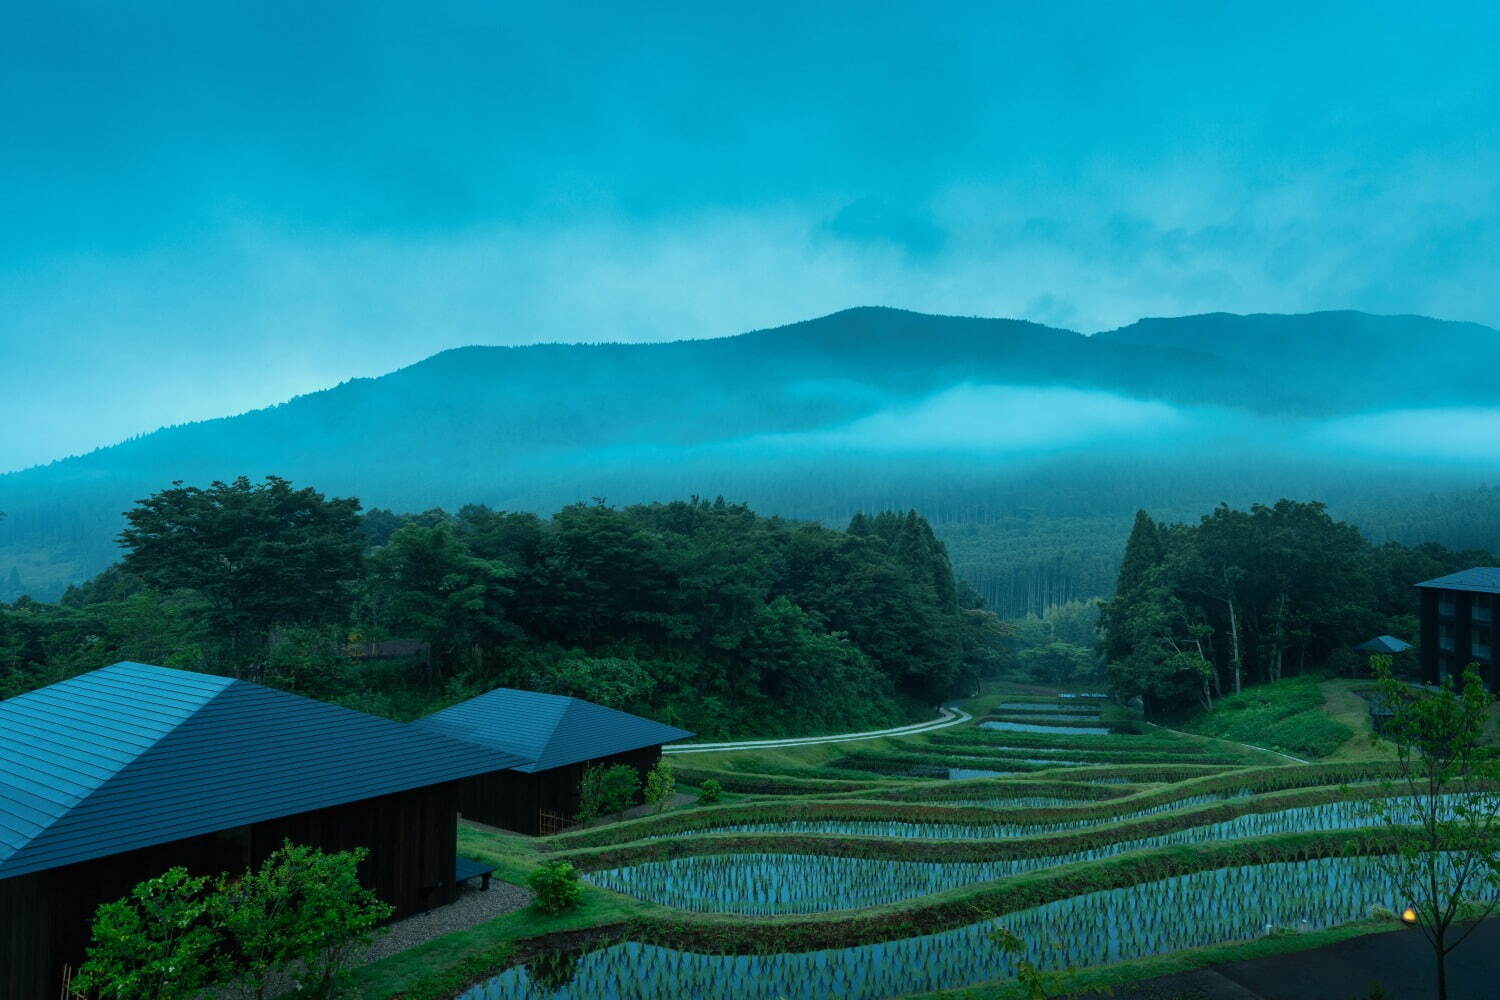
1409 915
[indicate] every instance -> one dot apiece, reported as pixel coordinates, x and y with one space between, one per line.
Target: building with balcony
1458 620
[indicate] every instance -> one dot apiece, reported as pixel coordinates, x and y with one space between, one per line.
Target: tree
1447 819
661 785
260 555
161 942
710 792
301 915
425 583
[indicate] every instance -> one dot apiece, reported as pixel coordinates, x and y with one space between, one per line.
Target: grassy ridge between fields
1255 780
455 961
936 850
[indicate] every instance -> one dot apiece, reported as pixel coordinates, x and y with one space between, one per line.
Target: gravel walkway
473 907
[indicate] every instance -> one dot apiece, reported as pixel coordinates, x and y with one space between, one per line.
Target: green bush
661 785
606 790
302 915
162 942
710 792
556 887
299 917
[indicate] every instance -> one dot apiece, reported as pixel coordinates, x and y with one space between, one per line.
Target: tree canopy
1245 597
699 613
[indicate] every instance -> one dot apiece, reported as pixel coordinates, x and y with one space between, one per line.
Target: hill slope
974 421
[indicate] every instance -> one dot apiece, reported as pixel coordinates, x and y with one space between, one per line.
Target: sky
206 208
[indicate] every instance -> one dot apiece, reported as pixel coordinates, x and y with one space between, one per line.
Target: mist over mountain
1027 446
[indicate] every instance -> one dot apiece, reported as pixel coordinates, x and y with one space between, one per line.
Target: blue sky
210 207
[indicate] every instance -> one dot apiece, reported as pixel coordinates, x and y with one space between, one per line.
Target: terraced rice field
1148 919
1031 727
969 831
801 883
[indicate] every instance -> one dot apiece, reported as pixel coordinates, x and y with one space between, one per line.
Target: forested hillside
1208 609
1027 448
701 614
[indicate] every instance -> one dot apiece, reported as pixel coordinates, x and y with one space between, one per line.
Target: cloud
101 346
875 220
997 420
1459 436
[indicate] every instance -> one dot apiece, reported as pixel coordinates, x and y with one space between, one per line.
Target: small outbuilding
1387 644
560 737
117 775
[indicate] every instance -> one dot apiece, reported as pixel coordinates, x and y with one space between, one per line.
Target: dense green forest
1239 598
1002 434
702 614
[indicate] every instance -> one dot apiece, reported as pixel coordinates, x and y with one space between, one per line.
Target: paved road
949 715
1400 963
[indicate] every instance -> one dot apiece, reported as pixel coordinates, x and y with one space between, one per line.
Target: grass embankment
687 821
445 965
1040 845
1288 715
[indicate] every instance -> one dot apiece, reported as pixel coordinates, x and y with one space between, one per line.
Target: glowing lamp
1409 915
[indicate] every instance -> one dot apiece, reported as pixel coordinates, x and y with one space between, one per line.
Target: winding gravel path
948 715
473 907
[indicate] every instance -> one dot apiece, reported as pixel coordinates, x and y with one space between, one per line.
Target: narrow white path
1237 743
946 717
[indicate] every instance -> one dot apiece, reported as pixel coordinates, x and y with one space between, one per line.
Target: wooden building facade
1458 624
116 776
561 737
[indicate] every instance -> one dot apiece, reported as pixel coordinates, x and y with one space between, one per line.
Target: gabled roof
1383 644
134 755
550 730
1480 580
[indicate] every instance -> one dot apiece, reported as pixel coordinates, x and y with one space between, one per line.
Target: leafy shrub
556 887
710 792
606 790
661 785
161 942
299 917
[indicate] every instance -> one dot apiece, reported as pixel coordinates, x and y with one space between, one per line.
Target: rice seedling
1151 918
1031 727
766 884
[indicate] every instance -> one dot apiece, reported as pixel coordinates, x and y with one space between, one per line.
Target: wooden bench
466 870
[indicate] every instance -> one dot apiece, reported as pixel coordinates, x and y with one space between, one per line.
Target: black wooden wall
45 917
514 800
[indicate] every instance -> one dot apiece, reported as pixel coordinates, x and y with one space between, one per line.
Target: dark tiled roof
1383 644
133 755
1480 579
549 730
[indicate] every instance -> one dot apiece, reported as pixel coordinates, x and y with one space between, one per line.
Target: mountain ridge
540 425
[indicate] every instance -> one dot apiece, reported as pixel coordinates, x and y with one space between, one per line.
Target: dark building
1458 623
115 776
559 737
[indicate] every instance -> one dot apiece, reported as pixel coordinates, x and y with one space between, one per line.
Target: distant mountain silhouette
539 426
